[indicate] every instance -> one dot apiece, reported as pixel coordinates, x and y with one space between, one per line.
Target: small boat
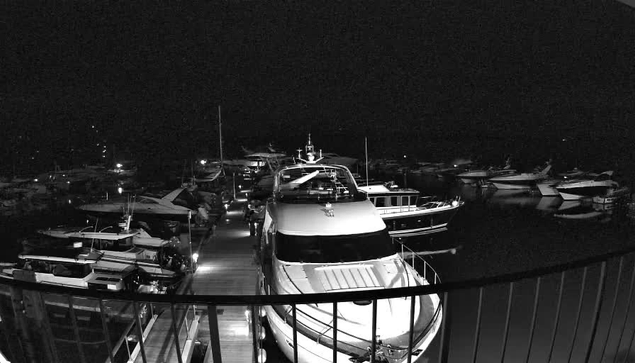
613 196
178 204
480 176
587 188
523 181
321 234
110 235
404 213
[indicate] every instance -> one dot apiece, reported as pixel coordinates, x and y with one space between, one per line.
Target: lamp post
189 228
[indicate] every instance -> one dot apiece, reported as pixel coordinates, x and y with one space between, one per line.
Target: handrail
436 280
240 300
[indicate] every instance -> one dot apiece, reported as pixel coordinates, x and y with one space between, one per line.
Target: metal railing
580 311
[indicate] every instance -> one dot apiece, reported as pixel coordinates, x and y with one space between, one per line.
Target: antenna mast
366 153
220 137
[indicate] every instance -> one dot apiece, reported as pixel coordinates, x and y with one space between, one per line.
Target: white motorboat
587 188
178 204
406 214
109 235
480 176
73 269
520 180
320 235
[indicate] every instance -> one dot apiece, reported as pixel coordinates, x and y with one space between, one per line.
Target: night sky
431 79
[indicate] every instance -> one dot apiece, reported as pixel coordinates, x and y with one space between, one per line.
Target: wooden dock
226 265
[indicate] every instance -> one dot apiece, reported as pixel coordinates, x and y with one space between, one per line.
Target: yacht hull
420 222
582 192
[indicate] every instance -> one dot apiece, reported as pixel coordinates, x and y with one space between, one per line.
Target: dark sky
429 78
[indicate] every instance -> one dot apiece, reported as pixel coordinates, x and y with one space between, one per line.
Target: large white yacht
321 235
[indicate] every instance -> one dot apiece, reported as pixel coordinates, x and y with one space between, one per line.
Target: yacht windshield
333 249
319 183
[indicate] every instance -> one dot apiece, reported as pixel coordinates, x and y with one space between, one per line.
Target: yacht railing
580 311
418 262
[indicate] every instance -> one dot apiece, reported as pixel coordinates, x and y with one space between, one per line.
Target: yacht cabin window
333 249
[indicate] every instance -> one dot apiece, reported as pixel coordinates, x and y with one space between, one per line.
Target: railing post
78 339
444 349
507 319
598 306
214 333
139 331
534 314
478 324
579 312
335 332
628 311
617 290
411 322
557 317
373 344
176 333
294 312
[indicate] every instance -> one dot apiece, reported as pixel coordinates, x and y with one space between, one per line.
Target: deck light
120 190
455 203
195 257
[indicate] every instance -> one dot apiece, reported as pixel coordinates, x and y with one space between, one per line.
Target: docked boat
613 196
109 236
520 180
73 269
178 204
480 176
320 235
406 214
587 188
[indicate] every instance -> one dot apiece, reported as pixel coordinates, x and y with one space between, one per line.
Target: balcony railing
575 312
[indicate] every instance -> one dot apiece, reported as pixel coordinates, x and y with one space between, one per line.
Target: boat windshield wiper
299 181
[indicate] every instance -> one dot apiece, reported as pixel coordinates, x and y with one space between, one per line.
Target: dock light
120 190
35 180
203 162
226 206
195 257
262 355
119 165
69 202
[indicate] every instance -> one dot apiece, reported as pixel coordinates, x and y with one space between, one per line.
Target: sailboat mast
366 153
220 137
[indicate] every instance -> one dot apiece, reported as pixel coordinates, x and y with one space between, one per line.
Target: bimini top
326 219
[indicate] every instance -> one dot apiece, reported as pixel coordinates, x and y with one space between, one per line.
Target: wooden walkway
226 266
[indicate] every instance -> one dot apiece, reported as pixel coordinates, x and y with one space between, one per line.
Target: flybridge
316 182
308 180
